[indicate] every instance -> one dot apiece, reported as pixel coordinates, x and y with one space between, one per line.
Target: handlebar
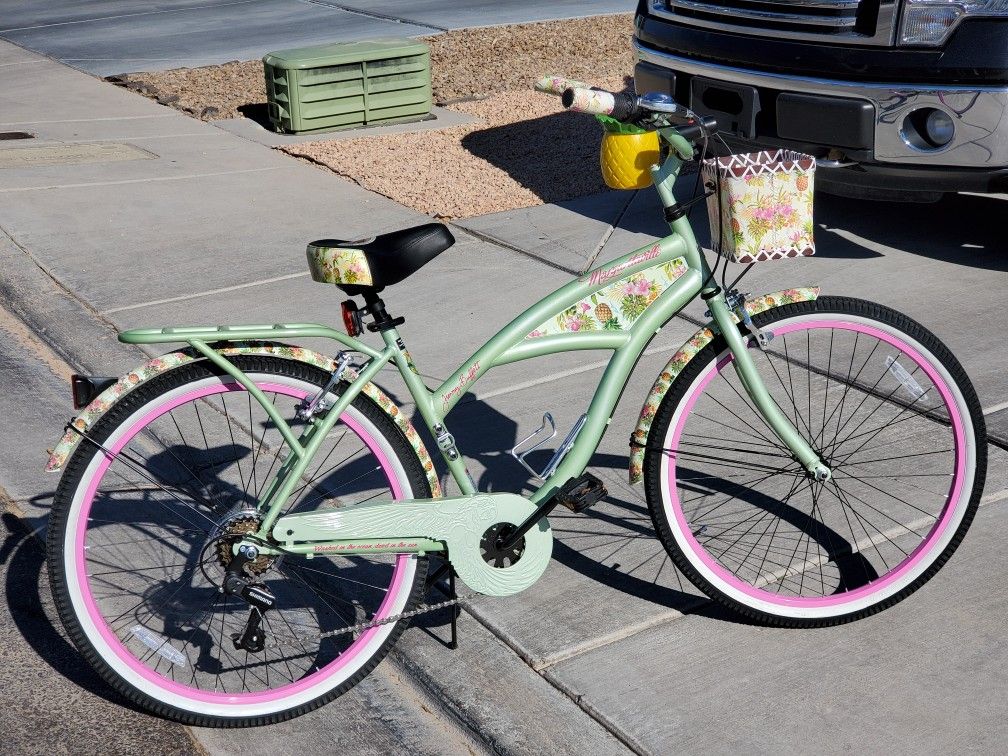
579 97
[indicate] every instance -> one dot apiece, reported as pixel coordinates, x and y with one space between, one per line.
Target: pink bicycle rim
908 564
193 693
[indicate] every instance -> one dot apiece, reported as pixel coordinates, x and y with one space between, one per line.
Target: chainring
490 548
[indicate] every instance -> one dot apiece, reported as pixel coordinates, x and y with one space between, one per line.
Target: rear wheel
139 540
890 411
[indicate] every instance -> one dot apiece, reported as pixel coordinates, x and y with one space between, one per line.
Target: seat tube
430 412
748 374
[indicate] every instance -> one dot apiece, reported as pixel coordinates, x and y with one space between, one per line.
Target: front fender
687 352
159 365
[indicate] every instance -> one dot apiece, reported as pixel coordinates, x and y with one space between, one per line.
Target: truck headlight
929 22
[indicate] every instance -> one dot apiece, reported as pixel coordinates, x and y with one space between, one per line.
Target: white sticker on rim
158 644
901 375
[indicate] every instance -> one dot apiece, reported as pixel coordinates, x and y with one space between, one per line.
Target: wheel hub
232 530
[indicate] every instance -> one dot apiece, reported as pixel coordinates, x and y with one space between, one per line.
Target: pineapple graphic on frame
604 315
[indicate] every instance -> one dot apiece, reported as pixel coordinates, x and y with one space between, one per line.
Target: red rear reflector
351 318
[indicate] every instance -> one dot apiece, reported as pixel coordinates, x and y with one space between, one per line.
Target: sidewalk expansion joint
23 63
601 719
207 293
60 351
995 408
995 497
93 120
142 180
125 15
614 729
490 239
375 15
663 618
552 377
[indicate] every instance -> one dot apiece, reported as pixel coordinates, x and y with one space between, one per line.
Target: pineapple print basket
765 204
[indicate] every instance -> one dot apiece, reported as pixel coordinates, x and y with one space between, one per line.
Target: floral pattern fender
686 353
158 365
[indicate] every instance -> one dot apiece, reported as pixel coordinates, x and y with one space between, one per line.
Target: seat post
376 309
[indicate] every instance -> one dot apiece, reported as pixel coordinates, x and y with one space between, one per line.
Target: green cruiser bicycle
243 527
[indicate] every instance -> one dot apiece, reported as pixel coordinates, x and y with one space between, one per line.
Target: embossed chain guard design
687 352
459 523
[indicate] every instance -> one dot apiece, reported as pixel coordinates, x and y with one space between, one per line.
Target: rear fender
159 365
689 350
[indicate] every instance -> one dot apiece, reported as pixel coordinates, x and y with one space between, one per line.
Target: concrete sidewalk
612 649
208 226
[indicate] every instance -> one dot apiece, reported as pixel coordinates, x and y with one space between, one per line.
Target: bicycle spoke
774 528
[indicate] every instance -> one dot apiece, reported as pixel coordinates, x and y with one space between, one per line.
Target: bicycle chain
421 609
360 627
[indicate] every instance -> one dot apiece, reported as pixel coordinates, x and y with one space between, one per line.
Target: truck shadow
557 158
959 229
614 543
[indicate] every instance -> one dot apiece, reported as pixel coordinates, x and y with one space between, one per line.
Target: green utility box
339 86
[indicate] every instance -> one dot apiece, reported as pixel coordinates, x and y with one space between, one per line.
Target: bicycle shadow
23 554
624 525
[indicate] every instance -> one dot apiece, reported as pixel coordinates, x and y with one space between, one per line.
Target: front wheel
890 411
142 530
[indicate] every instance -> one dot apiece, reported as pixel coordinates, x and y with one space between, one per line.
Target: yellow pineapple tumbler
627 154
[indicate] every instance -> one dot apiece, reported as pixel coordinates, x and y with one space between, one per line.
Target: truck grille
852 21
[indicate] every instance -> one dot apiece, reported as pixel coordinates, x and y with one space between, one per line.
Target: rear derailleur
256 595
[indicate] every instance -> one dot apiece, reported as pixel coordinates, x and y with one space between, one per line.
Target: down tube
614 379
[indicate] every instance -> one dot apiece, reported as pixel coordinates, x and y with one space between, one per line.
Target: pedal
580 493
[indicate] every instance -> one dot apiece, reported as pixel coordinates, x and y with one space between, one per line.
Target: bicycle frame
510 344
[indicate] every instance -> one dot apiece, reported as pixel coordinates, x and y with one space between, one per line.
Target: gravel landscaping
522 151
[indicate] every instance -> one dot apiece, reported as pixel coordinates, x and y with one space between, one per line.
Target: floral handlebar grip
557 85
594 101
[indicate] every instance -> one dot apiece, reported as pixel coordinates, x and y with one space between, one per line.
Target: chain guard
460 522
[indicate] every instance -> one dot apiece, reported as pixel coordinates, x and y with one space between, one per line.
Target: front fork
664 177
746 370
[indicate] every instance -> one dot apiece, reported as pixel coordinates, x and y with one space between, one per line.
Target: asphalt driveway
109 37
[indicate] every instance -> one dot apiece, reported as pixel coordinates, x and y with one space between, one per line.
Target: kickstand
432 582
453 610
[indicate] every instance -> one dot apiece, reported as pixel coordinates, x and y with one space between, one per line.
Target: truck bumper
866 134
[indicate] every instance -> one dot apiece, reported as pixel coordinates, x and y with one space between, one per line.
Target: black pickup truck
888 95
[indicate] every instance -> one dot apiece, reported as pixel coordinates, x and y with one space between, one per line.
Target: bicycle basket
627 154
765 205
